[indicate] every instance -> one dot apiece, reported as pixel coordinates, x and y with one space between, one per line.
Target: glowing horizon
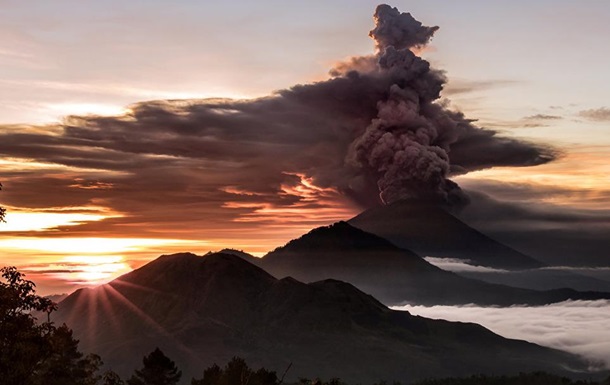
105 158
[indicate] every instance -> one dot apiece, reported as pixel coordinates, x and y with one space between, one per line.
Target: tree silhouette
65 365
211 376
23 343
111 378
236 372
33 353
158 370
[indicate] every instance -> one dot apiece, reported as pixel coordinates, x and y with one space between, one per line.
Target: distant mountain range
391 274
201 310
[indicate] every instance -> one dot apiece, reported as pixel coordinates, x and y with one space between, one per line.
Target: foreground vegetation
41 353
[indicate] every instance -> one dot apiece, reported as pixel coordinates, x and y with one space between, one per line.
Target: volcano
431 231
202 310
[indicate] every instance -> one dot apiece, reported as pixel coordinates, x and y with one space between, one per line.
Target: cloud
516 214
311 154
461 86
582 269
598 115
399 30
580 327
460 265
583 278
543 117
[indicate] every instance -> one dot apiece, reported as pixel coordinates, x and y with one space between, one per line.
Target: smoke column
407 145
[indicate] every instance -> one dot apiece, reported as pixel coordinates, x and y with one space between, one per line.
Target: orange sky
81 211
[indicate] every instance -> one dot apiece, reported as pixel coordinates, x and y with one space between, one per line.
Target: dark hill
430 230
201 310
392 274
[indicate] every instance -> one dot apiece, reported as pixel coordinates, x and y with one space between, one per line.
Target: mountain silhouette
201 310
394 275
430 230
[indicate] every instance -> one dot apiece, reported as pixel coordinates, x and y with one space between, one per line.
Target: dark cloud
376 127
599 114
557 235
414 143
399 30
480 149
543 117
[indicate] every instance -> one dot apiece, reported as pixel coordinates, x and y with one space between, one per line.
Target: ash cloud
414 143
399 30
374 131
513 214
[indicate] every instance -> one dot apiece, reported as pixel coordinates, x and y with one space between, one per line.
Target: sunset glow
95 246
583 176
88 270
232 125
28 221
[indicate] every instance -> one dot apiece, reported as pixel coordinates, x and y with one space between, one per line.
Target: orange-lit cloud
581 178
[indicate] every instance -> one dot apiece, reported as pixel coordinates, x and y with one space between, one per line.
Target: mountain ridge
392 274
226 306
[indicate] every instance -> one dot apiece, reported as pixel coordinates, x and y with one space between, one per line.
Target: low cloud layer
580 327
461 265
545 278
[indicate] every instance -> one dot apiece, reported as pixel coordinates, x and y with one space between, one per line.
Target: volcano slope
430 230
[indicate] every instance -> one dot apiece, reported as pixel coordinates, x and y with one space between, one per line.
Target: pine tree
111 378
158 370
65 365
236 372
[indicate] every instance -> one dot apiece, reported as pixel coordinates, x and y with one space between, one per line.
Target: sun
95 269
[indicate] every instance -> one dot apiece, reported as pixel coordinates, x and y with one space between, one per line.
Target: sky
102 173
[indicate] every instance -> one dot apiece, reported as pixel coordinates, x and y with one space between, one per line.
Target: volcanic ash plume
399 30
407 146
375 131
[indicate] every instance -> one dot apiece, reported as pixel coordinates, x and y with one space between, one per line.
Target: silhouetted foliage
65 365
23 343
317 381
236 372
33 353
386 383
158 370
111 378
211 376
2 209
